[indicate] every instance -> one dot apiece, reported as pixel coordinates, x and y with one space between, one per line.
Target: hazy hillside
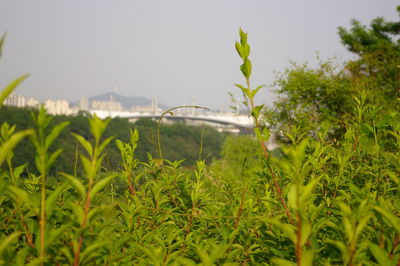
126 101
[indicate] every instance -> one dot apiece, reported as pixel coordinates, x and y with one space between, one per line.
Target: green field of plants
330 195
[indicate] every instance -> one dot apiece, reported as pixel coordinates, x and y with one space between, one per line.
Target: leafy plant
321 200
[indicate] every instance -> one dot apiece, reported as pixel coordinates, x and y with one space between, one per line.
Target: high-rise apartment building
84 104
15 100
59 107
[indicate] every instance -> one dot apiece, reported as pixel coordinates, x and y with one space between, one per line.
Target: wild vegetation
179 141
330 197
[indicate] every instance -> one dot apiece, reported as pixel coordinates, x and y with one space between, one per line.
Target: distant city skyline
233 122
177 50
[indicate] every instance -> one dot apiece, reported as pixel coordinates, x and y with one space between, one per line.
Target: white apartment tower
15 100
59 107
84 104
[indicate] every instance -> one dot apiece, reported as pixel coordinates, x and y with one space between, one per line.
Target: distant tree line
178 141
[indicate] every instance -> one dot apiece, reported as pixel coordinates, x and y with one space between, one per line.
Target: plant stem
130 186
281 199
169 111
10 169
86 207
191 219
84 221
266 155
395 244
42 222
298 243
76 158
28 235
240 211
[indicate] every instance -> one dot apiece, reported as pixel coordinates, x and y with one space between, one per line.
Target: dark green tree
378 50
309 96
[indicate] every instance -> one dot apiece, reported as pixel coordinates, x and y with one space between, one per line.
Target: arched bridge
239 121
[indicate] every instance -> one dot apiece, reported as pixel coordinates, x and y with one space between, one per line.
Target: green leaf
361 224
3 38
367 129
307 257
76 183
339 245
9 145
53 157
77 210
380 255
244 90
243 37
51 200
134 138
38 163
53 234
348 228
393 176
104 145
259 134
95 210
100 185
185 261
307 191
6 131
20 194
11 87
37 261
305 230
5 242
86 144
87 166
67 253
255 91
292 197
19 170
345 209
240 86
97 127
256 111
266 134
282 262
246 50
90 249
246 68
288 230
55 132
239 49
120 145
393 220
99 162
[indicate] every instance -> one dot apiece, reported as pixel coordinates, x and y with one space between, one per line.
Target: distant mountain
127 101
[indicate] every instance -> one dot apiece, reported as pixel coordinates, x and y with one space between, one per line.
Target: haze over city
177 51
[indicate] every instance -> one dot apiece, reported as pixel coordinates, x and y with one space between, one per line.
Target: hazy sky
175 50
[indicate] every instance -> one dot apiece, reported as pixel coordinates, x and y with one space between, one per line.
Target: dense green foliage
322 201
179 141
309 96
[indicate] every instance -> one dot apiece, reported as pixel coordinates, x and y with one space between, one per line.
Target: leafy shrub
323 202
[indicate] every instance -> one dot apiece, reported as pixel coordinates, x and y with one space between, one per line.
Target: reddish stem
281 199
298 243
84 221
131 188
240 211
